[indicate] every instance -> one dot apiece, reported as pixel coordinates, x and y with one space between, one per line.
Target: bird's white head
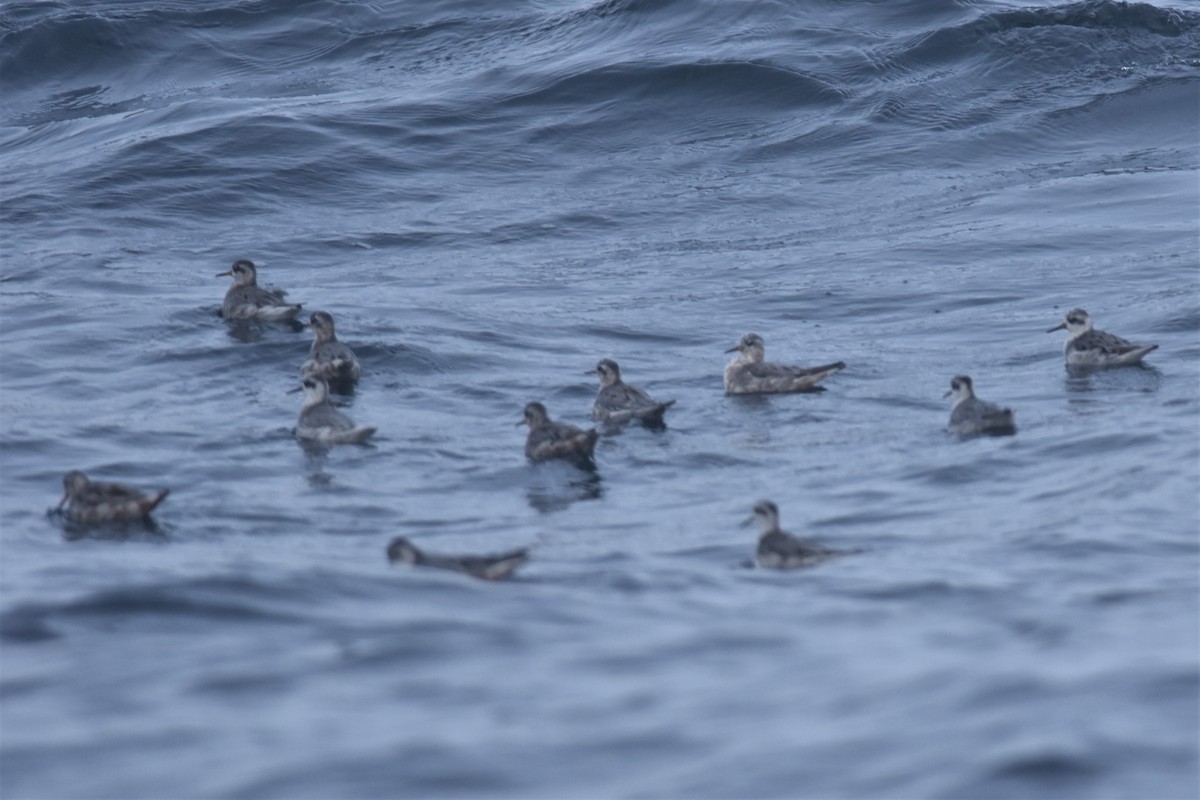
961 387
321 323
403 551
315 389
74 482
243 271
608 372
765 516
750 347
1076 322
535 415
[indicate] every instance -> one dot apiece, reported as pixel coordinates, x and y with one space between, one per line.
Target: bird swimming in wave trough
619 402
748 373
489 568
971 416
93 502
778 549
320 420
247 300
548 439
329 358
1088 347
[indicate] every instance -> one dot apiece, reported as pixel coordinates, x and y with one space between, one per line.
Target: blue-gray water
490 196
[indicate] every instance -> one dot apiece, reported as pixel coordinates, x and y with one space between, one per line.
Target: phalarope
619 402
247 300
549 439
971 415
93 501
749 374
778 549
1088 347
329 358
321 421
489 568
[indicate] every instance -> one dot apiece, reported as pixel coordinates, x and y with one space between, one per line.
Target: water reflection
145 528
316 458
754 400
555 485
248 331
1135 377
609 428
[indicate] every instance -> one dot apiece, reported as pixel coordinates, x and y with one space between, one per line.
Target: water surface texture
489 197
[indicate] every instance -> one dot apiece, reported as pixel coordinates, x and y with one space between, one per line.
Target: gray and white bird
778 549
321 421
619 402
748 373
1088 347
247 300
489 568
548 439
329 358
95 502
971 416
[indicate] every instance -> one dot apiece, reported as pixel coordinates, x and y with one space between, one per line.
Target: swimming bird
778 549
329 358
749 374
971 415
1088 347
247 300
549 439
93 501
489 568
321 421
619 402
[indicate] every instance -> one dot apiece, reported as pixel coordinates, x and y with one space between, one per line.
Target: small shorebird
329 358
778 549
489 568
1088 347
247 300
92 501
749 374
619 402
971 415
321 421
549 439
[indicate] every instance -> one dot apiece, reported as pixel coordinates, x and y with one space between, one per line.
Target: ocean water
491 196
